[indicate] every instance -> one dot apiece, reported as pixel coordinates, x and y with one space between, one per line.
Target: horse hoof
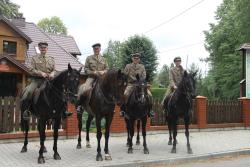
173 150
99 157
146 151
88 144
130 150
108 157
170 142
57 156
138 142
190 151
127 144
41 160
24 149
79 146
45 150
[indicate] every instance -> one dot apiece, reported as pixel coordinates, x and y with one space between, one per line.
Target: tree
222 40
145 47
112 54
9 9
53 25
163 76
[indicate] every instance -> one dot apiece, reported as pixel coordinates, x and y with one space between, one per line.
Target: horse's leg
138 132
98 136
41 128
144 123
189 149
131 134
79 118
127 126
56 127
88 123
170 132
26 129
107 127
174 127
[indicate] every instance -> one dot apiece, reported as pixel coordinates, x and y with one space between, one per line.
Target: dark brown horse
107 92
50 105
137 109
179 105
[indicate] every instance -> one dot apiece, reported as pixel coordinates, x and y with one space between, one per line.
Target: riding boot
151 113
26 103
122 110
66 113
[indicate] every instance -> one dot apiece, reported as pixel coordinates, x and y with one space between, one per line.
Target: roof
244 46
25 36
67 42
60 55
16 62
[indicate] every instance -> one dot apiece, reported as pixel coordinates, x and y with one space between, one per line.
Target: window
9 47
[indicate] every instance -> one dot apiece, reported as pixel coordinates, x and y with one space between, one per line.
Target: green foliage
9 9
158 93
163 76
144 46
222 40
53 25
113 55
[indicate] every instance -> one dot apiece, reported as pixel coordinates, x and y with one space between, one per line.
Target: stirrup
26 115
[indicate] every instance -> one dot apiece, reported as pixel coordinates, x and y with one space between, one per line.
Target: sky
91 21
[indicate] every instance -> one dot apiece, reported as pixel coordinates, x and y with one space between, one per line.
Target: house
18 44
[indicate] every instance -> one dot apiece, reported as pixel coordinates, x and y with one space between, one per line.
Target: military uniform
93 63
39 64
175 76
131 70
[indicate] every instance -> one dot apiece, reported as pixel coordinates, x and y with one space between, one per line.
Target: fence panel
224 111
10 116
160 120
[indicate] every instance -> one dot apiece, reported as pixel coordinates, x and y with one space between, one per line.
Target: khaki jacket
42 63
94 63
132 69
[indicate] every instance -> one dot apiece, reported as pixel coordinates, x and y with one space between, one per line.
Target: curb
172 161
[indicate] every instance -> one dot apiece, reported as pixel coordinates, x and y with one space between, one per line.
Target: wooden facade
13 77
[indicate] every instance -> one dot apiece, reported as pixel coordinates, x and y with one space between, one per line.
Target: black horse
107 92
179 105
50 105
137 109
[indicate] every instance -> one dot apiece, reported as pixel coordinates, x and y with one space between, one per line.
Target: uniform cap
177 59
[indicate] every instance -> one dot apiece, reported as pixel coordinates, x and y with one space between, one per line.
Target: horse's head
72 83
188 84
140 89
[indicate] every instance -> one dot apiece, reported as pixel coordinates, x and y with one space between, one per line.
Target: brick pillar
71 122
245 110
118 124
201 108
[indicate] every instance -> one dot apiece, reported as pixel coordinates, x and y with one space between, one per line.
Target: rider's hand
51 76
175 87
44 75
102 72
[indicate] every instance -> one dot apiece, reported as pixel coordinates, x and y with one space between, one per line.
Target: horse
50 105
137 109
179 105
107 92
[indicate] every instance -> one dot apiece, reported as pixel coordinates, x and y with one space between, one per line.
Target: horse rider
95 65
131 70
42 66
175 76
